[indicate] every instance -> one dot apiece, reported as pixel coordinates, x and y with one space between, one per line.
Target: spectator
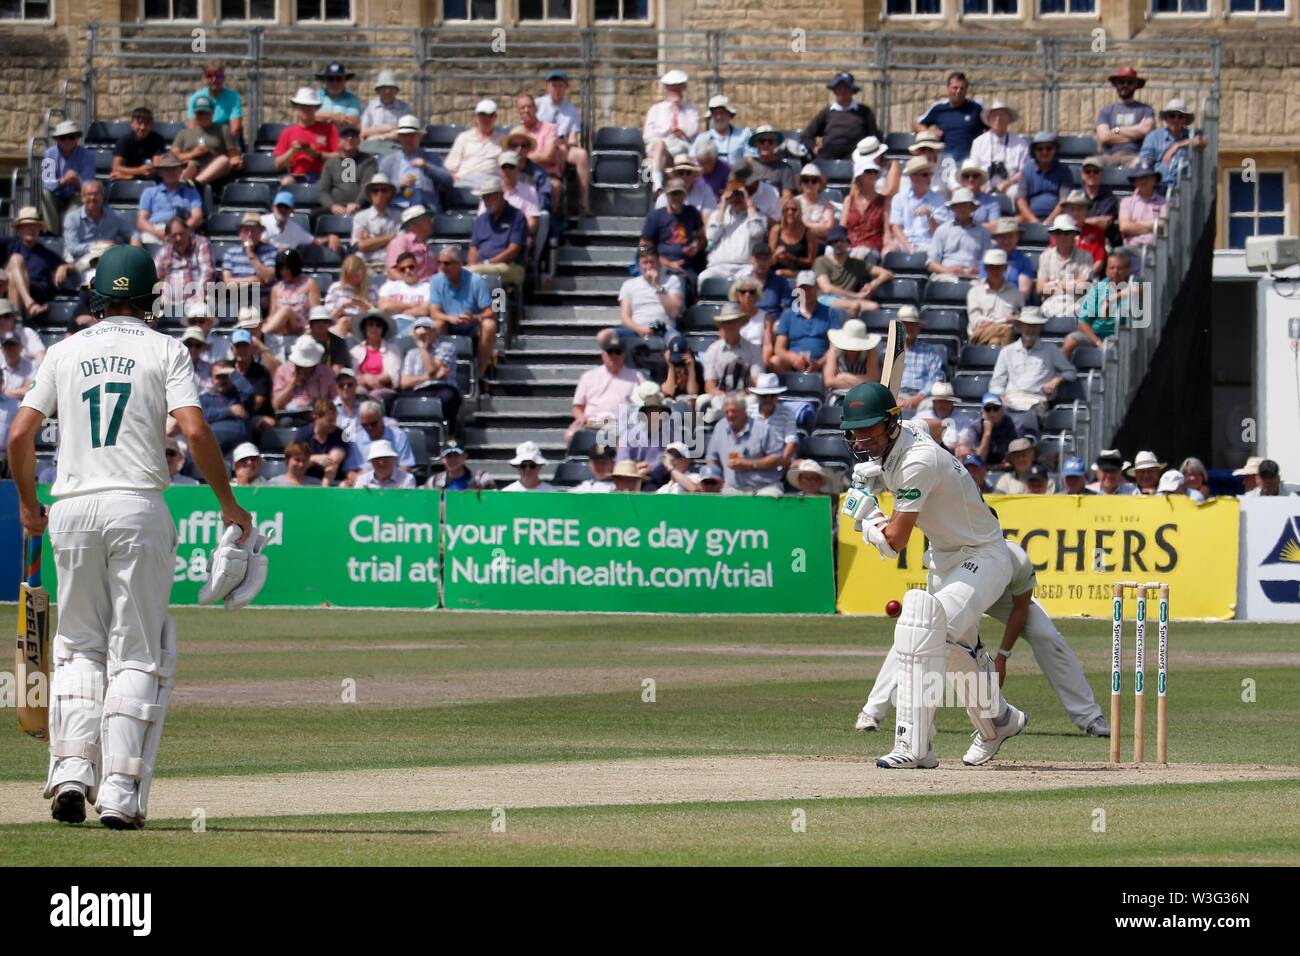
196 343
90 223
528 461
473 155
1074 478
455 474
772 294
417 229
845 283
978 472
714 172
996 432
1143 212
163 202
184 264
1020 268
460 303
682 378
338 106
650 303
642 433
732 362
1103 204
818 214
304 378
1146 472
1171 483
1249 474
554 108
925 363
601 390
303 147
1167 148
176 461
405 297
382 470
519 194
253 260
325 442
992 304
733 228
374 227
1124 124
930 147
1270 482
247 462
766 406
1022 455
626 477
372 427
375 357
336 349
731 143
1030 371
937 414
347 403
419 176
678 478
772 168
549 151
914 212
382 116
500 236
210 152
227 105
136 150
33 271
293 296
270 354
710 481
1091 239
671 119
1196 479
999 152
521 144
958 119
18 369
198 314
837 129
852 358
750 454
794 245
958 244
600 461
698 193
1043 183
344 173
801 332
66 165
297 462
258 377
32 346
1110 465
1064 270
765 196
281 229
429 366
223 404
1106 303
677 231
988 210
807 477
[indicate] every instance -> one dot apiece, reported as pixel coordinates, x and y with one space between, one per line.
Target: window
990 8
470 10
170 9
1257 6
248 10
1048 8
25 10
914 8
1168 8
622 10
323 11
545 9
1255 208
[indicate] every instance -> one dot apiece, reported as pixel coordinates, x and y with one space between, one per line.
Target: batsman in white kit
969 569
112 386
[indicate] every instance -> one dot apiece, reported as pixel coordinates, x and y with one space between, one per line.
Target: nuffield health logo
1287 554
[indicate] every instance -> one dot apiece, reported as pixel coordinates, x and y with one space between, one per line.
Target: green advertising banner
702 554
344 547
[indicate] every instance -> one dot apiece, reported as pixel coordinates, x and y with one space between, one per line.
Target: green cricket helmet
124 273
865 405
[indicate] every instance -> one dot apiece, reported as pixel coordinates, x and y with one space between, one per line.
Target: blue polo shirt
469 298
776 296
809 333
162 204
1043 190
491 236
226 105
1018 264
960 125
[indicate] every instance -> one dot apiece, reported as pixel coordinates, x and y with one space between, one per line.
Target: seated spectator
642 433
460 303
429 367
1196 479
376 357
698 193
374 227
383 114
1145 472
253 261
765 196
818 214
924 364
650 303
845 283
626 477
549 151
373 426
1124 124
1106 303
1171 483
198 315
417 230
864 213
733 228
682 378
176 461
988 210
1110 465
671 119
184 263
326 443
678 479
958 120
92 222
319 321
1044 182
519 194
344 174
928 146
996 431
303 147
247 463
227 105
773 294
499 240
17 368
978 472
338 106
293 296
163 202
993 303
455 474
750 454
937 413
915 212
1091 238
1064 271
521 144
1103 204
793 245
1167 148
258 376
1029 371
65 167
304 378
528 461
999 152
136 150
766 406
281 229
1270 482
33 348
347 402
1022 456
852 357
601 390
270 353
772 167
677 231
473 155
710 481
807 477
33 272
210 152
1020 268
1249 474
419 176
297 461
835 130
223 405
600 461
731 363
405 297
713 171
1074 478
381 470
802 331
554 108
1142 213
196 343
730 143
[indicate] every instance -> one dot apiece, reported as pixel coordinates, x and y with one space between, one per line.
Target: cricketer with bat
112 387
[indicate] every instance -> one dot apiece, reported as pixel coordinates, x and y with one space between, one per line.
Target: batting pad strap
133 767
74 748
130 707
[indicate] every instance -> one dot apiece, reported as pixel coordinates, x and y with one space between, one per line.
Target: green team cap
124 272
868 404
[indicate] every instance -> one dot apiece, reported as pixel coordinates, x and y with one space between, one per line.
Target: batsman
969 568
112 387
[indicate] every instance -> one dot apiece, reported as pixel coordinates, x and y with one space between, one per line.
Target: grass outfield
262 693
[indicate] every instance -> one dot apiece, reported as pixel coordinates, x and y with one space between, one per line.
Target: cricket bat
891 374
32 655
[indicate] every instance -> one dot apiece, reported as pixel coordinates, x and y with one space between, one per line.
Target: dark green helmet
124 273
868 404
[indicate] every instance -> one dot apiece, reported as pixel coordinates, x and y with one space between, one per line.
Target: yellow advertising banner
1081 546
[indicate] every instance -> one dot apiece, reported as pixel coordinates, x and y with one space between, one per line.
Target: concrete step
587 285
483 438
504 404
539 374
573 344
607 229
589 257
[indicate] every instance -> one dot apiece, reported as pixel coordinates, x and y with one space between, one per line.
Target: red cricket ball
893 609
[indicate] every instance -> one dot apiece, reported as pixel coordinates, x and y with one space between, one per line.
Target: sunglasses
992 408
972 175
219 75
809 179
920 175
530 465
509 166
1043 148
408 268
766 141
746 292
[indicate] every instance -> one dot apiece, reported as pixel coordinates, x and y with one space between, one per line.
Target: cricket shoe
866 722
117 820
983 750
69 804
902 760
1098 728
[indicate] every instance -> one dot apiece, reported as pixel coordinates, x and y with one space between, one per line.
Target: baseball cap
452 449
991 398
244 450
283 198
1073 467
202 104
677 350
241 337
1036 470
973 461
710 472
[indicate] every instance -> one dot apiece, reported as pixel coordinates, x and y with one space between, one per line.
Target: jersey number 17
92 395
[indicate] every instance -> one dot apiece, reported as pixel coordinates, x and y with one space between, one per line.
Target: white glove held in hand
227 569
256 575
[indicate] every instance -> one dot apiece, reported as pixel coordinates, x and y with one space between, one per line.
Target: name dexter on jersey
108 363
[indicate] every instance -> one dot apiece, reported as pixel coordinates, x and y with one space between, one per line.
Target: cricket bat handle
32 569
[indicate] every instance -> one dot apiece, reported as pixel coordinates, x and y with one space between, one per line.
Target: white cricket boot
866 722
1098 728
984 749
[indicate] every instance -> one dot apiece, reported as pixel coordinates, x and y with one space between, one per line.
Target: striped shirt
926 363
237 263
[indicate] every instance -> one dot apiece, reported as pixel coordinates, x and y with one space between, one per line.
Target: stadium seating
570 473
440 135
